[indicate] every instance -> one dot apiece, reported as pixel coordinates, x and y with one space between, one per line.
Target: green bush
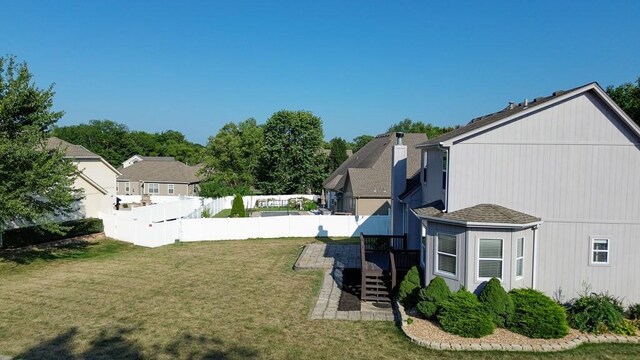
237 207
33 235
462 314
496 302
537 316
309 205
633 312
206 213
597 314
430 298
409 287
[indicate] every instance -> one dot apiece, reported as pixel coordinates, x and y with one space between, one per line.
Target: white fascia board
479 224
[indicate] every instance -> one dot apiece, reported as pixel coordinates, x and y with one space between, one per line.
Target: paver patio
333 259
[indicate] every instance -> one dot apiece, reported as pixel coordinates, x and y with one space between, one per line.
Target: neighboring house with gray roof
137 158
541 194
362 184
97 178
158 176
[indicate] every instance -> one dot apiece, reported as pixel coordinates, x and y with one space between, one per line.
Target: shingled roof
161 171
369 169
510 110
70 150
478 214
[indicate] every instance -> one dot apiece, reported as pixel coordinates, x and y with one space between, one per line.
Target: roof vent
526 103
511 105
399 137
558 93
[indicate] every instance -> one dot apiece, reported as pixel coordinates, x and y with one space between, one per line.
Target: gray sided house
158 176
541 194
362 184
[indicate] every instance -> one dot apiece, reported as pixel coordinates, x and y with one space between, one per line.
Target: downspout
446 191
534 276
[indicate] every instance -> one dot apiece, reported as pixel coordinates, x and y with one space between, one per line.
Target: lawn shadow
115 343
44 252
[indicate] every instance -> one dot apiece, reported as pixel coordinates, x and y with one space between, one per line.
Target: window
153 188
444 170
170 189
447 254
599 251
490 258
519 258
127 188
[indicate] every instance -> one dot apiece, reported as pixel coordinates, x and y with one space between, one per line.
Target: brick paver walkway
335 258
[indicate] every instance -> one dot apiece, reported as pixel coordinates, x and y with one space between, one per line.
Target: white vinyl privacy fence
123 226
180 220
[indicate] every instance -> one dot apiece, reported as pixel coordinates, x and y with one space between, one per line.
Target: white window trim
436 271
515 270
147 189
127 188
592 241
171 189
481 279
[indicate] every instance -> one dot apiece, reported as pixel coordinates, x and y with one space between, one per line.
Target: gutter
534 276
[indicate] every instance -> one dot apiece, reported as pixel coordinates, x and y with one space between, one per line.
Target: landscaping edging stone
559 345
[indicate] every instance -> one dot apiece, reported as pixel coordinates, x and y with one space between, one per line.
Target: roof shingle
369 169
161 171
481 213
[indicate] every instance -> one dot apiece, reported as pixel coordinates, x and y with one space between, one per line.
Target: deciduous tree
292 160
627 96
231 159
337 154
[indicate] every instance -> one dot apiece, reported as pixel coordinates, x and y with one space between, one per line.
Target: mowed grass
208 300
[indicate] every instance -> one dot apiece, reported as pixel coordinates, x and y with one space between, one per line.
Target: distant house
541 194
97 178
142 175
362 184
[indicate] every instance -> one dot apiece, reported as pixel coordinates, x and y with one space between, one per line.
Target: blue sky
361 66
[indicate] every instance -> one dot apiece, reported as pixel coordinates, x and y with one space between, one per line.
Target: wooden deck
384 261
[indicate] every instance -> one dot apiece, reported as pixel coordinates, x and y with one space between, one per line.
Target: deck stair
377 254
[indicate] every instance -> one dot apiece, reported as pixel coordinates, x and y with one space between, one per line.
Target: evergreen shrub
409 287
463 315
497 302
430 298
237 207
537 316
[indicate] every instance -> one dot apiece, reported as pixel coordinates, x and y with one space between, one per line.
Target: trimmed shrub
597 314
537 316
462 314
496 302
430 298
39 234
409 287
237 207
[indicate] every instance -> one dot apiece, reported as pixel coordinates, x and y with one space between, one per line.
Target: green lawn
209 300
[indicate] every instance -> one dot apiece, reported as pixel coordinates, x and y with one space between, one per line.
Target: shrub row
525 311
33 235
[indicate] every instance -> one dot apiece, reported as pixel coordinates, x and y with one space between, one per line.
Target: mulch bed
350 296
